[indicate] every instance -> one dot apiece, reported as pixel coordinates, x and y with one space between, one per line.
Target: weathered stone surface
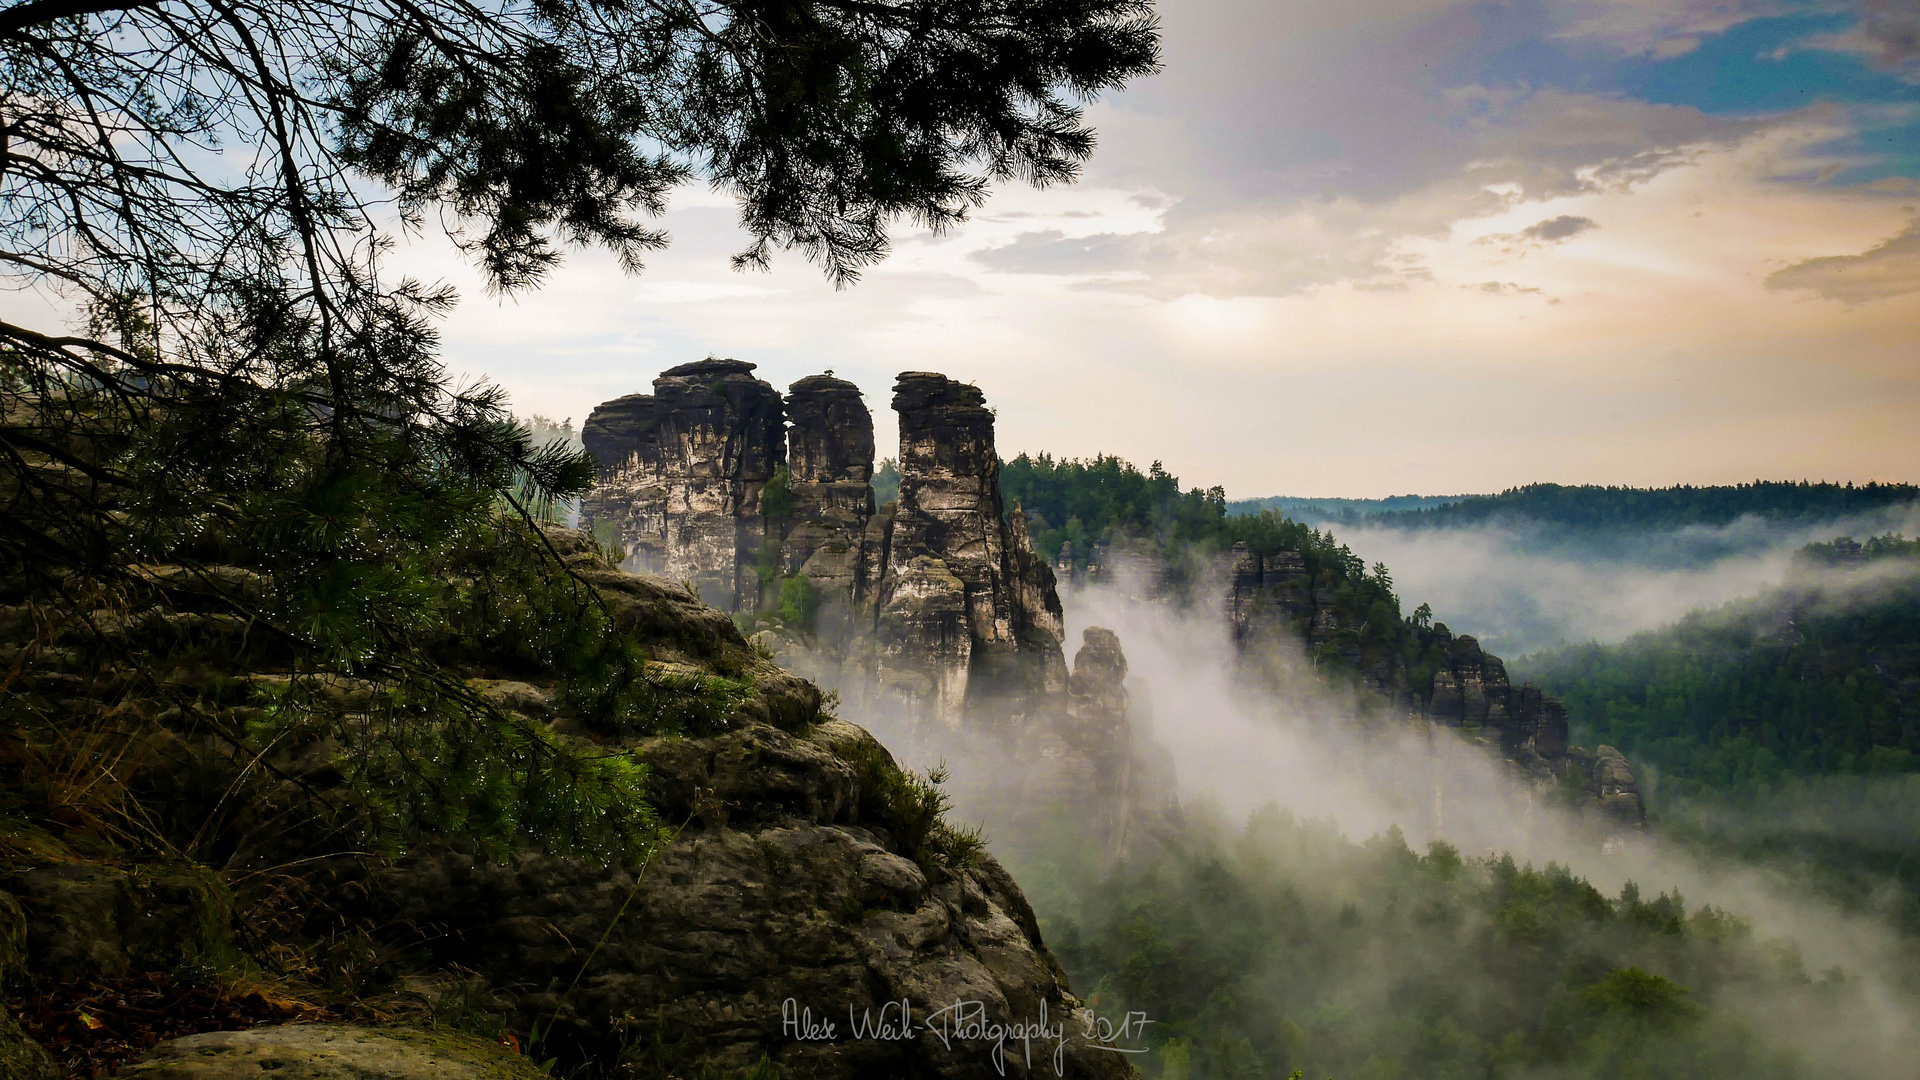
830 456
934 611
1133 792
938 607
778 895
681 475
20 1057
332 1052
13 938
950 547
87 921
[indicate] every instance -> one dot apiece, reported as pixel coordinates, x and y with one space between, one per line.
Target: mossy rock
90 921
20 1057
332 1052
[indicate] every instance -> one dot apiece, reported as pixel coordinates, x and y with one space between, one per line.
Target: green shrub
912 808
799 601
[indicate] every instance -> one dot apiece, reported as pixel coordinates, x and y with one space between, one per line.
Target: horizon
1404 245
1373 248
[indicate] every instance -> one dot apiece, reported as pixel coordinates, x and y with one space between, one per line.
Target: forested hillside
1591 507
1818 677
1317 511
1285 946
1096 504
1781 730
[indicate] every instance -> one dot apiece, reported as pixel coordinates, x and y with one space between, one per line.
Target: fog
1520 588
1240 744
1248 732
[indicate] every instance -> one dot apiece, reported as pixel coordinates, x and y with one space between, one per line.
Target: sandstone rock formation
804 866
934 612
937 606
789 881
784 895
20 1057
967 619
1133 790
682 474
1469 690
830 458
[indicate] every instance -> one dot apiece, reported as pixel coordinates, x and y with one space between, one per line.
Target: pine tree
254 424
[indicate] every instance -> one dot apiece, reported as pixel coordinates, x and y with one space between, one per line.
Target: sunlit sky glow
1369 247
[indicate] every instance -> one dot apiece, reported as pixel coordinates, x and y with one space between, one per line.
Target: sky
1372 247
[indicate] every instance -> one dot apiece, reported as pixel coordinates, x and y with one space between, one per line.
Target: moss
20 1057
912 808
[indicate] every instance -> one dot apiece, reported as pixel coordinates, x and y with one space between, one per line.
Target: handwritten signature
967 1021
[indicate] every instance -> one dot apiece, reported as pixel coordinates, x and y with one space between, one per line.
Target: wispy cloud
1888 270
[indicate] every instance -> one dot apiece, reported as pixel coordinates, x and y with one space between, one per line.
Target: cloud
1306 140
1545 233
1666 28
1891 269
1893 26
1673 47
1501 288
1502 148
1886 37
1554 230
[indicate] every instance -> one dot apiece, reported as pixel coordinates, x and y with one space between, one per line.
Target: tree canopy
209 182
248 401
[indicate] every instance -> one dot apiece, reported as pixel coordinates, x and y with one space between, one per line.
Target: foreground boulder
332 1052
784 928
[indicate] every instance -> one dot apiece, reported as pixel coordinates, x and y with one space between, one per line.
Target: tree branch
35 12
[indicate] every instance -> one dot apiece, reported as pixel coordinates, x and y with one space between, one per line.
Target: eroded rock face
965 604
1470 691
84 921
682 473
20 1057
1131 779
830 457
937 607
779 896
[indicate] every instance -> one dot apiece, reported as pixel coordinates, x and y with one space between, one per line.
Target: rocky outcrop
968 623
1468 689
682 473
1277 595
937 607
830 459
20 1057
934 614
801 875
85 921
1133 792
333 1052
784 916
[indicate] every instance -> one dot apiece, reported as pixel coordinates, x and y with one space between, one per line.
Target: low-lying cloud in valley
1520 589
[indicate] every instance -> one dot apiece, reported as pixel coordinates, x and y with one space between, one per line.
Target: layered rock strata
967 621
938 606
682 473
782 896
826 538
792 880
1108 745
